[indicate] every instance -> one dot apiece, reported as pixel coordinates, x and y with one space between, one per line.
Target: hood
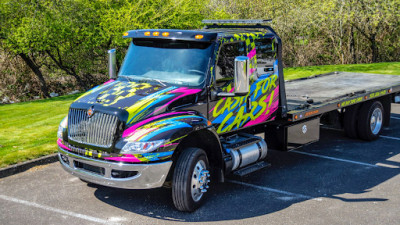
140 100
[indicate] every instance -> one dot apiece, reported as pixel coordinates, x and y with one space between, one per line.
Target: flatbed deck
315 95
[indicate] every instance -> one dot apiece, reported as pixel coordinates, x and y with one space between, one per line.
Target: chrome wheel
376 121
200 180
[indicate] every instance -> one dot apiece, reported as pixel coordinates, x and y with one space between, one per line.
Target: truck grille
97 130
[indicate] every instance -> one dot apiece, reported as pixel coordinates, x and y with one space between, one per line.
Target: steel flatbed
315 95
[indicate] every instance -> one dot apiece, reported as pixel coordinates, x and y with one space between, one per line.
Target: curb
24 166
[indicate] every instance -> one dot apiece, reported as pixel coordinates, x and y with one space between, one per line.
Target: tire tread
350 121
181 173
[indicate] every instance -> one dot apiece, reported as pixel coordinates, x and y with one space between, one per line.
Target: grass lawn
383 68
28 130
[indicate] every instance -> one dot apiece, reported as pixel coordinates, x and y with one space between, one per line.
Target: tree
16 18
371 18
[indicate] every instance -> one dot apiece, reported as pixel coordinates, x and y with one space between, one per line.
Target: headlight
141 147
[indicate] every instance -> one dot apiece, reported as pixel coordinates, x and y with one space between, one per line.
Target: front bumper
141 176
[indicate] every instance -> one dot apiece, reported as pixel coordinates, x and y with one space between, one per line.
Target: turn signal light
165 34
126 34
147 33
156 33
199 36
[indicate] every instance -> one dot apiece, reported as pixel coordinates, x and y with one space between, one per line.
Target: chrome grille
97 130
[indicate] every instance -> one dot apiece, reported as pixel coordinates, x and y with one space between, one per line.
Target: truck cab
164 117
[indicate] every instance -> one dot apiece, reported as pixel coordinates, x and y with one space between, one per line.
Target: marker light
147 33
165 34
156 33
126 34
199 36
63 125
60 132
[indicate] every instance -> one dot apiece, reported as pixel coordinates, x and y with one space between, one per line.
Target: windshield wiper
127 77
159 81
130 78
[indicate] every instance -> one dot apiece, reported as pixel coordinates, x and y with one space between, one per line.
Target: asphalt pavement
334 181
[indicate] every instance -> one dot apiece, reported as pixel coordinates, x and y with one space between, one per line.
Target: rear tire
370 120
350 121
190 181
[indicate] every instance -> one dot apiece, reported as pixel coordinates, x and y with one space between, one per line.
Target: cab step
251 168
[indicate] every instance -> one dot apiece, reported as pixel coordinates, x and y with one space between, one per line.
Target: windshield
182 63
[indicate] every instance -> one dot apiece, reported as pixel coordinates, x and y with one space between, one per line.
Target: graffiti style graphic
262 101
232 113
140 100
160 128
161 100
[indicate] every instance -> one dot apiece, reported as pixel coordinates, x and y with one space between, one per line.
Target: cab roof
203 35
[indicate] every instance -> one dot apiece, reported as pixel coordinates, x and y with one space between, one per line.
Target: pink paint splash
147 132
272 109
109 81
125 158
186 91
59 142
252 53
211 110
133 128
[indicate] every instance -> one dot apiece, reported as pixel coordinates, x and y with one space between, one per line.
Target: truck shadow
302 177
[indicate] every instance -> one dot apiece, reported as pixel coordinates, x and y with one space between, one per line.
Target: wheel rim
200 180
376 121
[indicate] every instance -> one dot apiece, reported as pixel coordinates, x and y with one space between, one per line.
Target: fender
172 127
208 140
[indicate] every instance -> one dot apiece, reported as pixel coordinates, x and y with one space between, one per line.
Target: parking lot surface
334 181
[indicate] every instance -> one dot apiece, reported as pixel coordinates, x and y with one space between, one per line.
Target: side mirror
112 64
241 78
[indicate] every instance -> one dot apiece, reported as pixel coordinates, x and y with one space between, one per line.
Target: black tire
350 121
365 130
182 180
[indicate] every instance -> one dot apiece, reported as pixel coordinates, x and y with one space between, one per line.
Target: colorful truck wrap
186 106
135 121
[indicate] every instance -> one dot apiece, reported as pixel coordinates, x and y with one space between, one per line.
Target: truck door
260 105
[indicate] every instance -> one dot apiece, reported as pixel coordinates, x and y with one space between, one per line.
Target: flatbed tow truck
188 107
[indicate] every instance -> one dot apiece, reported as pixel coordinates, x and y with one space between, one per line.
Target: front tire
190 181
370 120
